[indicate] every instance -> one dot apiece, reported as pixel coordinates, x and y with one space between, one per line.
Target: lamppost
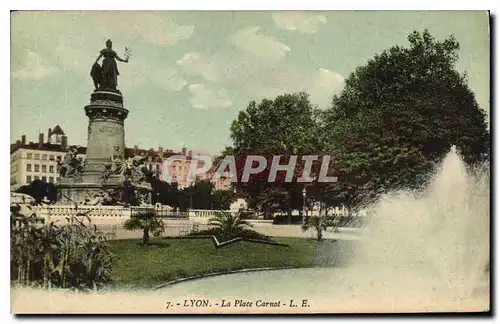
304 193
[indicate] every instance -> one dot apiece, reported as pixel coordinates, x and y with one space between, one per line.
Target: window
51 179
37 178
29 156
44 179
58 158
44 157
28 167
51 157
37 168
150 167
44 168
37 156
51 169
28 179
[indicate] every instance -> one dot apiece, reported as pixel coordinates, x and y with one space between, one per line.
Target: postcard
250 162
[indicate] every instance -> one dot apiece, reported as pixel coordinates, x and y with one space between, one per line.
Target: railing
50 211
205 214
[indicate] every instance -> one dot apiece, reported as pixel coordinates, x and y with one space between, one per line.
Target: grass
140 266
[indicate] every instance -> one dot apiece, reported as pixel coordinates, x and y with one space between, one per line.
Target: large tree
399 114
286 125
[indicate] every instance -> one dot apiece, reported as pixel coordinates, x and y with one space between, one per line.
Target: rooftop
57 130
37 146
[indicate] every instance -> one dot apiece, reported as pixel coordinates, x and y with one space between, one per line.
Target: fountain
440 236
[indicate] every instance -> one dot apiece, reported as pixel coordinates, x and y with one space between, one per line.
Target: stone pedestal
106 139
106 134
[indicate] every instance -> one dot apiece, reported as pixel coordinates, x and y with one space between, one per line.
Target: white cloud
321 84
205 98
33 67
304 22
196 64
262 46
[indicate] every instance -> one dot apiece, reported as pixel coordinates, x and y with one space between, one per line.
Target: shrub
227 226
148 222
319 223
73 255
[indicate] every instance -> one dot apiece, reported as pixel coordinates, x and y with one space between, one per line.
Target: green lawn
138 266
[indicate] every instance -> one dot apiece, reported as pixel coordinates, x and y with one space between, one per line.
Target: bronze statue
106 76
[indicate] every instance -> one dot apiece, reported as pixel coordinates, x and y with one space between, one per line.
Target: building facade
39 160
31 161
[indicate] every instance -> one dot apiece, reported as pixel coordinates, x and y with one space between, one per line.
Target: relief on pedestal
71 166
106 197
133 174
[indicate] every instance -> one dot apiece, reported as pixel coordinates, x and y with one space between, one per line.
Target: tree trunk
320 233
289 207
145 237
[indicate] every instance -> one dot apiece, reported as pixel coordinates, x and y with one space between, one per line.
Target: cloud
321 84
205 98
304 22
33 67
196 64
262 46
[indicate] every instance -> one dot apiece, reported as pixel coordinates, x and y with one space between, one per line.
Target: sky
191 72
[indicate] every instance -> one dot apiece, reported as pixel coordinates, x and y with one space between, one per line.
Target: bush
148 222
74 255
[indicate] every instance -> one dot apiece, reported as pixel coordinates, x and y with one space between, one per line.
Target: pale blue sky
191 72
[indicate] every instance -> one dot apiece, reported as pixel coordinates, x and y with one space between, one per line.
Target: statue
106 76
138 169
132 169
71 166
117 166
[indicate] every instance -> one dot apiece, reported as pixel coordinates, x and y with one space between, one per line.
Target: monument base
96 193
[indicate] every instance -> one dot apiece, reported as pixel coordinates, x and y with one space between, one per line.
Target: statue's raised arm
106 76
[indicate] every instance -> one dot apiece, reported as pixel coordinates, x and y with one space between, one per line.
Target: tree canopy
399 114
286 125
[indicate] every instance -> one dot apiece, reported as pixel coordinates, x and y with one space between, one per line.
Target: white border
192 5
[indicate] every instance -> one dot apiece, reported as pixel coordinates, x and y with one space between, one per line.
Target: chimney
48 134
23 139
184 151
190 154
18 142
64 142
160 150
40 138
136 148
